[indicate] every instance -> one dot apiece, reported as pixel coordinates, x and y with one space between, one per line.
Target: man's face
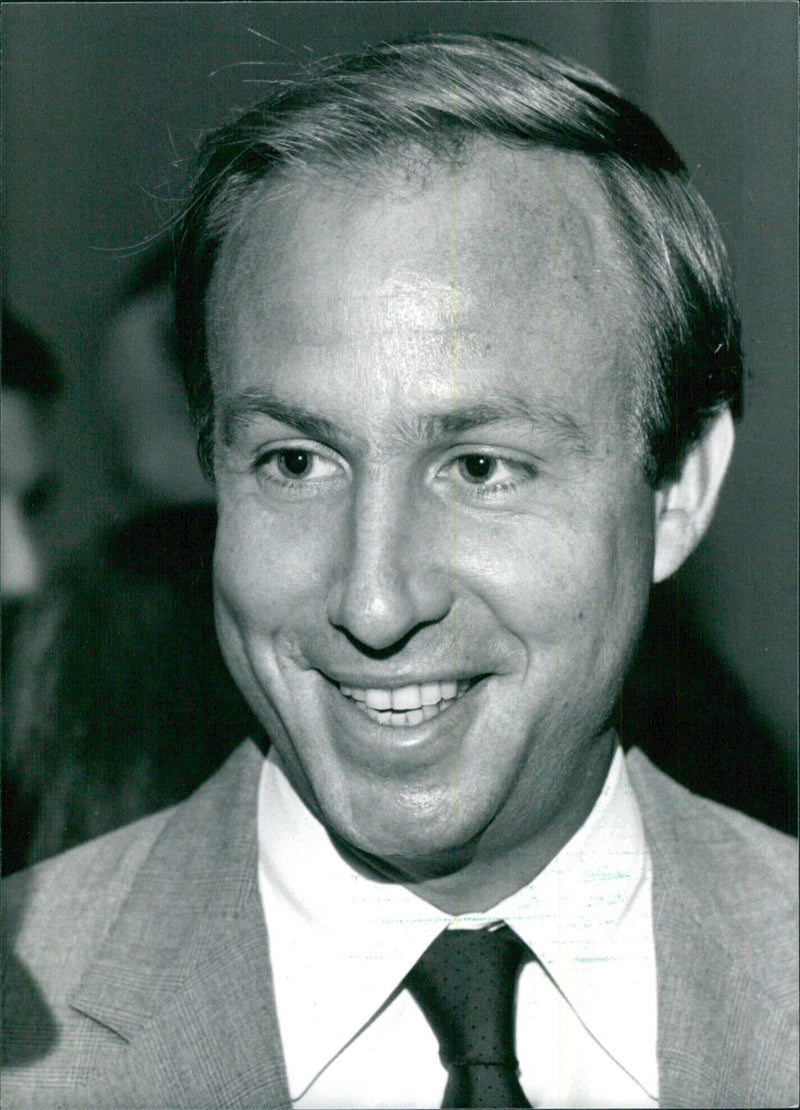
435 538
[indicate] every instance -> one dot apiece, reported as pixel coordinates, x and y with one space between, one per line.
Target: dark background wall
102 104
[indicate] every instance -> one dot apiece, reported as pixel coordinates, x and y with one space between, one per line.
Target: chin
406 862
422 840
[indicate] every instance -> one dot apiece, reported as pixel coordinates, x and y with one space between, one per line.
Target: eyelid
312 447
509 455
519 473
265 467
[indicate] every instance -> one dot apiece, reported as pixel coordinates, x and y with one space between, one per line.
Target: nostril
380 616
386 651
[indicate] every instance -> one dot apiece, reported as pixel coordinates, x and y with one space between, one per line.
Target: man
464 366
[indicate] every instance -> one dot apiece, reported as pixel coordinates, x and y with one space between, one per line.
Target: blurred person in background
31 381
153 448
30 384
168 519
118 700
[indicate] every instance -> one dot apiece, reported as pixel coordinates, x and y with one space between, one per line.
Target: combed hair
438 94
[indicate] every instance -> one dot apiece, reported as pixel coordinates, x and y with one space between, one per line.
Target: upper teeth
404 698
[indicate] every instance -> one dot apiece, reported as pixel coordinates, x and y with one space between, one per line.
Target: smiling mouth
406 706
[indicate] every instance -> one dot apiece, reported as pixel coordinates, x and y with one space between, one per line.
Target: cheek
551 583
268 567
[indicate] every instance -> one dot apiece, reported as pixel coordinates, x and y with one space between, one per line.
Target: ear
684 507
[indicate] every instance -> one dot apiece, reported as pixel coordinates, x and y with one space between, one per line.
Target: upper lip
393 682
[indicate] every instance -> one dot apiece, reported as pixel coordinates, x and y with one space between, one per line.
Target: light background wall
102 104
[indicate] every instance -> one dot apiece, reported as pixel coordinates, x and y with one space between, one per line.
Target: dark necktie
465 984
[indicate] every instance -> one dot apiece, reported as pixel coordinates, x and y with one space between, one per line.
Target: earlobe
684 507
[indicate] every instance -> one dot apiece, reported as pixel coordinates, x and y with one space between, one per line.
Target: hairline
362 109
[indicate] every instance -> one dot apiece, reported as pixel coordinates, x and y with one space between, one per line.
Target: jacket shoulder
738 876
117 948
55 916
731 837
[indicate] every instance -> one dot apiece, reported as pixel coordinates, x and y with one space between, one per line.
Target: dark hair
28 363
437 94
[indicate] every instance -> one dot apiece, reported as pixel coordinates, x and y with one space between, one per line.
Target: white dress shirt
341 944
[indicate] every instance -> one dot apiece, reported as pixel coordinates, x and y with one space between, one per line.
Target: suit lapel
722 1041
183 979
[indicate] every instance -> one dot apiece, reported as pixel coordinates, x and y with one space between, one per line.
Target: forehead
512 258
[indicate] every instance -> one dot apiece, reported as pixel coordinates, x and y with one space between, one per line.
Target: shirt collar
588 919
341 942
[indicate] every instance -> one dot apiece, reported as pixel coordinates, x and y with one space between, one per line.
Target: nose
396 571
20 566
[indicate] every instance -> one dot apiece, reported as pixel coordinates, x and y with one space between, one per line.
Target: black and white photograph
399 554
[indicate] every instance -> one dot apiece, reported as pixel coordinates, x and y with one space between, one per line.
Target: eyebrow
466 418
238 411
250 403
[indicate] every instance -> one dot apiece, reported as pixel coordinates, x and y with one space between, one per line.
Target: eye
296 466
485 475
294 463
477 468
492 472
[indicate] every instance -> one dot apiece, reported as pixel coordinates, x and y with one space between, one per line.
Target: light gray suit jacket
140 972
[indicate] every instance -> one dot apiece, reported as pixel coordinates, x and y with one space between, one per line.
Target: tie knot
465 983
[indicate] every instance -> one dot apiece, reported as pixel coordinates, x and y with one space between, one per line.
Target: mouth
407 706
